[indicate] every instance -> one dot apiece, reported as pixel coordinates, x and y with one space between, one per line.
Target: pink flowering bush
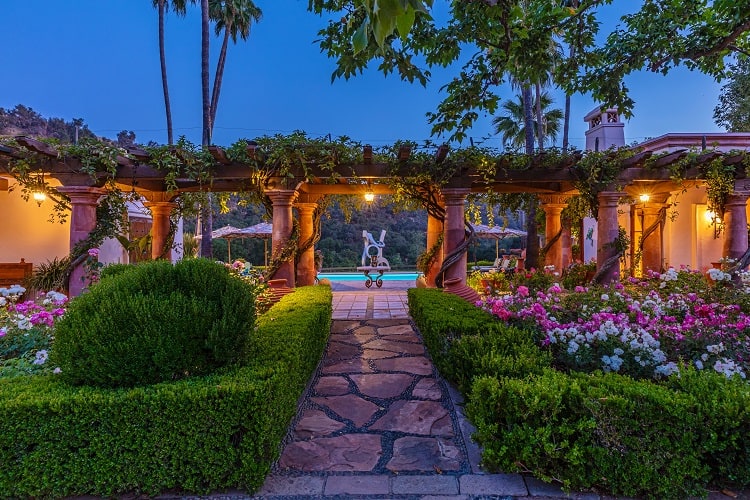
645 328
27 331
253 276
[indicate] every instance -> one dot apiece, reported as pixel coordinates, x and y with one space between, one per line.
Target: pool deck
353 300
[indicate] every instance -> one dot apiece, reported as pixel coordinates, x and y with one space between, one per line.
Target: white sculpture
375 262
377 259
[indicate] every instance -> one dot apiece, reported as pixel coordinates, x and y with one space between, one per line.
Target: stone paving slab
370 484
292 486
538 488
424 485
349 452
493 484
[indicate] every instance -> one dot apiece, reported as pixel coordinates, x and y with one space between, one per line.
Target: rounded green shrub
114 269
155 322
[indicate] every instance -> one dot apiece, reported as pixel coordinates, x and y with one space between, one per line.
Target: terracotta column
735 225
282 200
160 212
454 231
553 206
306 271
434 230
652 257
84 201
607 232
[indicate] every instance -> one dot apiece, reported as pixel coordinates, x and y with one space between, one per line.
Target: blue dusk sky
99 60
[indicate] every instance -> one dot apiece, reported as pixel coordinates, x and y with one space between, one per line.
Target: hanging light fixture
369 194
39 193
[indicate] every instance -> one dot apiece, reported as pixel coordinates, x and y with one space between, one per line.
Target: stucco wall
25 231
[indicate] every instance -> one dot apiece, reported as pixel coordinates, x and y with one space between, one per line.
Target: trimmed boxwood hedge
155 322
589 431
198 434
465 341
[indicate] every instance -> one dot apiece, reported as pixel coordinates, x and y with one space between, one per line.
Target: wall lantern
715 221
644 198
369 195
39 191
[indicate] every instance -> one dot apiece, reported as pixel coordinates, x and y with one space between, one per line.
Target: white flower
41 357
728 367
572 347
719 275
605 297
57 371
612 363
716 348
699 364
666 370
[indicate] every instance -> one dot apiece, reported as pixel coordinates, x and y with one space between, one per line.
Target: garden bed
539 410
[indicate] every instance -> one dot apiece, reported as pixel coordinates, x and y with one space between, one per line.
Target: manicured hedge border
599 431
199 434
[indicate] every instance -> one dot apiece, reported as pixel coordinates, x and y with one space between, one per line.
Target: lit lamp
39 193
369 196
644 198
713 220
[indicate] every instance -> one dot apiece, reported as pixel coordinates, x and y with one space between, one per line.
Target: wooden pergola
553 183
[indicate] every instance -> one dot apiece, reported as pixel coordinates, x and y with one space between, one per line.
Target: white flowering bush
645 328
27 331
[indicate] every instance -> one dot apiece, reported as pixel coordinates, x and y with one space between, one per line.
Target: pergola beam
669 158
235 176
37 146
219 155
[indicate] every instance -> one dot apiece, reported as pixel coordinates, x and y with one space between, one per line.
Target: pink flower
94 252
522 291
579 289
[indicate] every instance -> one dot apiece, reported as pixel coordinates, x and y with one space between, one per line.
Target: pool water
387 276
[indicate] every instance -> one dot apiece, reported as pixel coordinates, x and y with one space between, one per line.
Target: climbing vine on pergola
413 174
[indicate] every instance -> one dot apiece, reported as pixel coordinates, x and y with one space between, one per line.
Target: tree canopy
733 110
512 37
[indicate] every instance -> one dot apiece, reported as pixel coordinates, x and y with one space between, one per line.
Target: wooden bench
14 273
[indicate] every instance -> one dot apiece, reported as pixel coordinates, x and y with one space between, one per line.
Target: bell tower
605 129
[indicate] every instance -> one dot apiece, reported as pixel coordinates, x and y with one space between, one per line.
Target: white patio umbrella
262 230
496 232
228 233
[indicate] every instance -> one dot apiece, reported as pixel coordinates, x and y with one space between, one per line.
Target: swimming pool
388 276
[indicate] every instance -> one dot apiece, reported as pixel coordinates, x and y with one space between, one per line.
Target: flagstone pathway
375 406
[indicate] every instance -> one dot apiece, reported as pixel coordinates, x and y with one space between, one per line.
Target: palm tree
178 6
205 41
234 18
206 215
573 4
511 124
